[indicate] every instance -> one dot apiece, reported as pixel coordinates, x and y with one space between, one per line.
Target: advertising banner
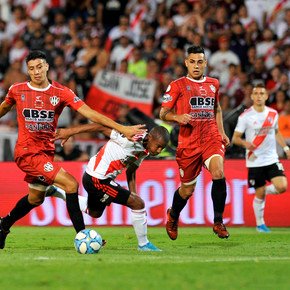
156 181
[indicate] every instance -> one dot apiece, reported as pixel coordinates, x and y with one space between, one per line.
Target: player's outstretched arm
64 134
94 116
4 108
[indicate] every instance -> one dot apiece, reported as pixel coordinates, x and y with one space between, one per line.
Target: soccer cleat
263 229
220 230
149 247
3 235
171 226
51 190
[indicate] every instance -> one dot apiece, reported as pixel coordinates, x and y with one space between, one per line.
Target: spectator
238 44
279 101
244 17
266 48
14 74
121 51
81 79
137 65
216 28
16 26
119 31
259 73
221 59
108 13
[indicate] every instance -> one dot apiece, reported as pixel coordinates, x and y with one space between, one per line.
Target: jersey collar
38 89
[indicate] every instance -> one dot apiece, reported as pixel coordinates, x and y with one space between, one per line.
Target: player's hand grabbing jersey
116 155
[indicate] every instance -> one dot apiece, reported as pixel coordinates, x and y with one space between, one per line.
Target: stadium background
80 41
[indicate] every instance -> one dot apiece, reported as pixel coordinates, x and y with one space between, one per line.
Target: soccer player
39 102
102 169
259 123
193 102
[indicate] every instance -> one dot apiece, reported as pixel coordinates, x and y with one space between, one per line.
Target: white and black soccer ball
88 242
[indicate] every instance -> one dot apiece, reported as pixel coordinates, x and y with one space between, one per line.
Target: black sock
178 204
73 208
22 208
218 195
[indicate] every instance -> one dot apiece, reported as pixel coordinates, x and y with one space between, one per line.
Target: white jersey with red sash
116 155
259 129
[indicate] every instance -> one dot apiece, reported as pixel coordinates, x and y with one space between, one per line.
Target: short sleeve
71 99
171 95
10 97
241 125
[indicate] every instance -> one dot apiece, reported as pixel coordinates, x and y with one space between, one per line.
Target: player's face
196 64
259 96
37 70
155 145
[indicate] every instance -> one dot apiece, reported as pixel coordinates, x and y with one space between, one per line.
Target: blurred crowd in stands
246 42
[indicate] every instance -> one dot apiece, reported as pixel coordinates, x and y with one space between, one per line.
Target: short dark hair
160 132
260 85
34 54
195 49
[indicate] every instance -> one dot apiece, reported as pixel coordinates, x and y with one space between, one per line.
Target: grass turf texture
45 258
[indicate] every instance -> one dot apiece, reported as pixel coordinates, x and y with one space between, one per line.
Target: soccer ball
88 242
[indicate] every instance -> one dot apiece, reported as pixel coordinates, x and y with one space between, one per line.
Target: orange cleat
220 230
171 226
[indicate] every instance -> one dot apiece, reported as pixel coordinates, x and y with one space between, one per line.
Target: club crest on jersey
54 100
166 98
213 88
48 167
38 102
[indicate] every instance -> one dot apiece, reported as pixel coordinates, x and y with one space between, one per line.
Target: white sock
60 193
139 222
271 189
83 202
259 206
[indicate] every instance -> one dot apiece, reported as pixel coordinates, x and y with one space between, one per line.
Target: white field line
176 260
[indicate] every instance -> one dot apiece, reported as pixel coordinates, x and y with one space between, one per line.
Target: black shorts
101 192
257 176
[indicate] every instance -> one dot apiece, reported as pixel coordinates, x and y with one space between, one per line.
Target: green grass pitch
45 258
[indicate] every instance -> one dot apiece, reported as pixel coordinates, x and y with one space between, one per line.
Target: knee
95 214
71 186
281 188
186 191
136 202
217 174
36 200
